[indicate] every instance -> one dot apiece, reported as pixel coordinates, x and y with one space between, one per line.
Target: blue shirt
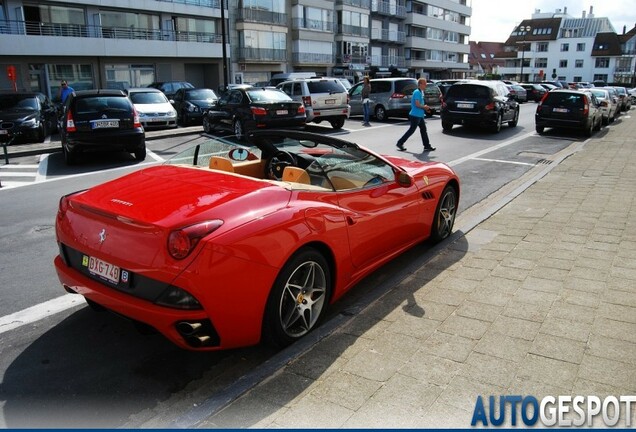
415 110
65 92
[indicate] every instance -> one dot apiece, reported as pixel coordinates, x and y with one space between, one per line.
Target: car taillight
491 106
348 98
545 96
70 124
398 96
307 101
586 108
136 122
301 109
183 240
259 111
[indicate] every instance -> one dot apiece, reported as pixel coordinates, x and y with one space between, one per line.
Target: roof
606 44
483 53
542 29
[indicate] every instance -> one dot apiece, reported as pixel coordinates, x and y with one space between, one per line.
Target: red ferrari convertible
228 244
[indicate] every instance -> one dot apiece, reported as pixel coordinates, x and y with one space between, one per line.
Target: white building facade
558 46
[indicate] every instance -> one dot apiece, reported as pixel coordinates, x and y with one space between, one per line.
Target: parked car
548 86
608 104
625 102
101 120
481 103
325 99
169 88
191 103
26 117
569 109
534 91
243 110
255 243
153 107
632 94
518 93
390 97
433 98
282 77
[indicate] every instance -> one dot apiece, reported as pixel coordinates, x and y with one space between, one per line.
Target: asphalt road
78 368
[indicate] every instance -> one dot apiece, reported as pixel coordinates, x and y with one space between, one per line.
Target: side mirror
404 180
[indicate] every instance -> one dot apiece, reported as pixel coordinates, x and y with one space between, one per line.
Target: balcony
386 35
264 55
386 8
261 16
345 29
31 28
388 61
309 24
205 3
313 59
364 4
352 59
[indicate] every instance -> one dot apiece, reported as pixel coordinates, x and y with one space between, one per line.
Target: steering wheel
277 163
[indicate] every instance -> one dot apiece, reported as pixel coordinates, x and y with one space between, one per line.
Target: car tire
207 126
598 125
588 132
140 153
606 121
447 126
239 129
515 119
380 113
445 213
337 123
69 157
298 298
539 129
497 126
41 133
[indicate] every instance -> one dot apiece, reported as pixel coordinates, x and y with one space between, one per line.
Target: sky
494 20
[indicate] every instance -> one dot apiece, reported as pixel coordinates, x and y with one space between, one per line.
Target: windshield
17 102
330 164
148 98
201 94
268 95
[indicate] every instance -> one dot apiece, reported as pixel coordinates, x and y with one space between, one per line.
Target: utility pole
525 30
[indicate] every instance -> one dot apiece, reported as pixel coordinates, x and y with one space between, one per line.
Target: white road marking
489 149
39 311
504 161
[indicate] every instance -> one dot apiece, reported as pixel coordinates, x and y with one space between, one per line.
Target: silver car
325 99
390 97
609 104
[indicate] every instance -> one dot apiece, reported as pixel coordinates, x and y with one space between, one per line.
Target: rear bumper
116 141
562 123
479 118
315 115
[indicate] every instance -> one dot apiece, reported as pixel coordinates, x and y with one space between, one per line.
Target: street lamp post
525 30
224 42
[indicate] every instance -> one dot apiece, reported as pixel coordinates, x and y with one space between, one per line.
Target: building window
565 47
578 79
79 76
542 47
578 63
541 62
434 34
602 62
600 77
563 63
580 47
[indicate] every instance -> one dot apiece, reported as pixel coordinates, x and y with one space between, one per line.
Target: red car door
382 219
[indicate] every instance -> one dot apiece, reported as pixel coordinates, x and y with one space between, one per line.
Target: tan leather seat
341 183
222 164
296 175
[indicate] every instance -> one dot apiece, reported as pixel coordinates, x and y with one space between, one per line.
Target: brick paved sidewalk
539 299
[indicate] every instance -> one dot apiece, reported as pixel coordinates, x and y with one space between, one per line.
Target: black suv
480 103
169 88
26 117
101 120
569 109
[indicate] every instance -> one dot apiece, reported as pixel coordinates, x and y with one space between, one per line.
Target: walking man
366 108
416 117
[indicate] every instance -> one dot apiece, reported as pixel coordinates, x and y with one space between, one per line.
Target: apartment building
556 45
120 44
